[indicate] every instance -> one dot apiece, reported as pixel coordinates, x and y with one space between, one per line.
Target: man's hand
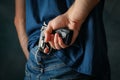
73 19
55 40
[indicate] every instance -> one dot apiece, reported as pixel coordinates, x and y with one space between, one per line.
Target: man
86 56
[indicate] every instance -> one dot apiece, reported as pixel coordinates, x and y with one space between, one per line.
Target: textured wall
12 60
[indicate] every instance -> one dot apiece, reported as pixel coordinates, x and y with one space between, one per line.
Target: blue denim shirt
88 55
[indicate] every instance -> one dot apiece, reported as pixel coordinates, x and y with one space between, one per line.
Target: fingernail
46 50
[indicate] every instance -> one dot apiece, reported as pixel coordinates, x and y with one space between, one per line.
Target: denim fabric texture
41 66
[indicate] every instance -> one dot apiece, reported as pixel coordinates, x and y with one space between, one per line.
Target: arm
80 10
73 19
19 22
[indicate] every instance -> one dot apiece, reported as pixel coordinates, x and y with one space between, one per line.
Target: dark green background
12 60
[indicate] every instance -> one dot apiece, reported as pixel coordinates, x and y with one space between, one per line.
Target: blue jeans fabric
41 66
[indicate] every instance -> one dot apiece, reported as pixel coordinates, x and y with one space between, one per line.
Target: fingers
51 42
46 50
48 33
54 39
58 42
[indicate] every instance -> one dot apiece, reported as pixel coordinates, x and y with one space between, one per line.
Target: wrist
74 17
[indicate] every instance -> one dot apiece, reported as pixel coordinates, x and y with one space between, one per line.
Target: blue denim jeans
41 66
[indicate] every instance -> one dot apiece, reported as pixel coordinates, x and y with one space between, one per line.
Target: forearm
20 25
80 10
23 39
